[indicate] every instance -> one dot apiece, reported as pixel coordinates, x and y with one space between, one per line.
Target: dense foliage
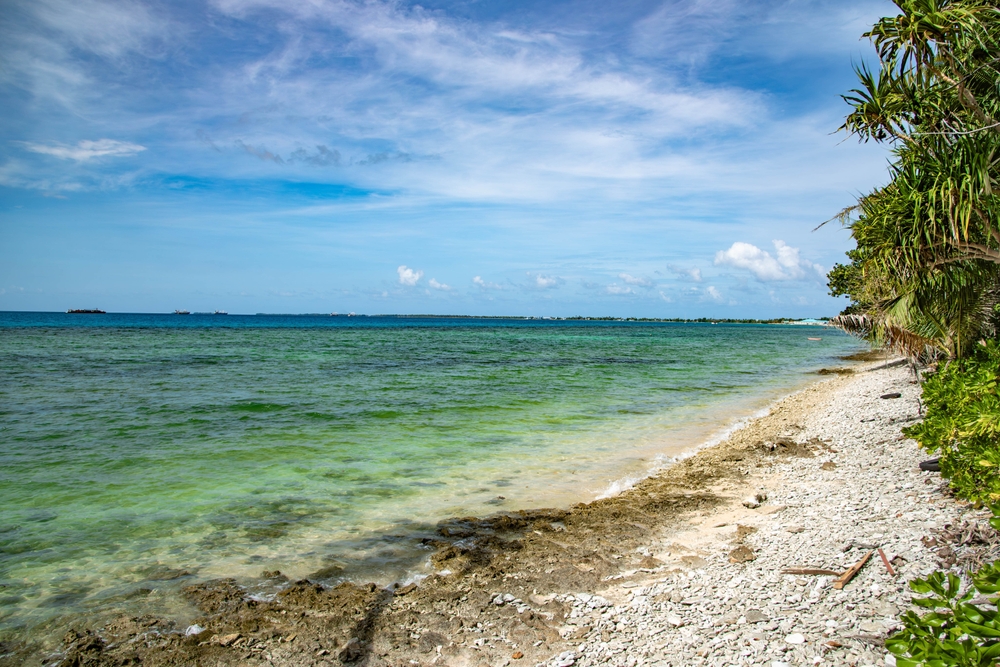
962 424
955 631
925 276
924 279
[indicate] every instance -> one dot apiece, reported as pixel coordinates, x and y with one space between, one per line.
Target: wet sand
530 559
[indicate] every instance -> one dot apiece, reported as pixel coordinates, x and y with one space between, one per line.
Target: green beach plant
962 423
957 629
924 276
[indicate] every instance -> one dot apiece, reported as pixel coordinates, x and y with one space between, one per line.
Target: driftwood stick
810 570
885 561
846 577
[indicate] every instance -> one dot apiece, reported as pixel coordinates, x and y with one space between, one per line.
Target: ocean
141 453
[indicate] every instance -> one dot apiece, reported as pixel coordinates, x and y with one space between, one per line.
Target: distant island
822 321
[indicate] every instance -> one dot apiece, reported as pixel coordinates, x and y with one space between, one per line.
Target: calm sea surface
139 453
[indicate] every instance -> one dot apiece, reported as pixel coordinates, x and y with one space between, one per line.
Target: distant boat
86 311
182 312
220 312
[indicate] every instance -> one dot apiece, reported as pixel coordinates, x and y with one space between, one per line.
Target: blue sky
660 159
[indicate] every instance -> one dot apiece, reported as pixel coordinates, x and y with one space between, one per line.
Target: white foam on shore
662 461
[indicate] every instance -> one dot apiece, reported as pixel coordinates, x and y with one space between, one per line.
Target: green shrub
962 423
954 631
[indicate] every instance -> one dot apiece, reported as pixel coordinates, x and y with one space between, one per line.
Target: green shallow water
141 454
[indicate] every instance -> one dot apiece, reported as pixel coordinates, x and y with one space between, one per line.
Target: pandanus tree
924 277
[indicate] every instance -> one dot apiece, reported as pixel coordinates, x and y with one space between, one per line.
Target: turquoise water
143 452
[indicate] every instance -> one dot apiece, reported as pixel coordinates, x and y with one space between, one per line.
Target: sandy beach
685 568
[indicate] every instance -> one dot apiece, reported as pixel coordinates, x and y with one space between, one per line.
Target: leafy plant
923 279
954 632
962 423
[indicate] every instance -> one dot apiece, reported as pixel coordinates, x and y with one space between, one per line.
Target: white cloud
436 285
408 276
666 297
785 265
546 282
713 293
615 288
632 280
687 274
86 150
483 284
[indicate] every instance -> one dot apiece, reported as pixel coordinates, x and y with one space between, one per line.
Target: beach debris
795 529
812 571
894 394
795 638
741 554
755 501
846 577
888 565
828 465
755 616
517 655
675 621
193 630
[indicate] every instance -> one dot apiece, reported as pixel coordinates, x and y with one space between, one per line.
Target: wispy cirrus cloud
485 139
86 149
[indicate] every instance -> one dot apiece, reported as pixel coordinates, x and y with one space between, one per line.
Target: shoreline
536 558
604 459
